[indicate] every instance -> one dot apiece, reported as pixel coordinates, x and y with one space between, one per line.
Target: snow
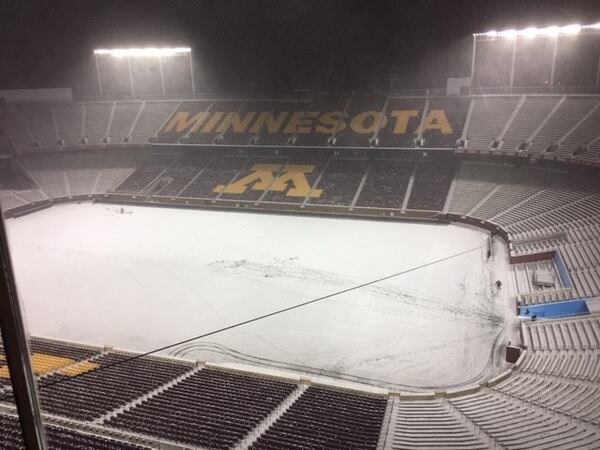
140 278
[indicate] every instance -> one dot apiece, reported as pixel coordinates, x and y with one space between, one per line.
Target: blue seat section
554 310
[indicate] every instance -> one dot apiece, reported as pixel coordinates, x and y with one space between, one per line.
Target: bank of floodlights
149 52
532 32
130 58
554 32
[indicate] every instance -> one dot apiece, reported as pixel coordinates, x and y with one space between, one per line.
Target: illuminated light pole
98 75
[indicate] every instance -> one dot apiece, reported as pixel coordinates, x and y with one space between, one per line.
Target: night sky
275 46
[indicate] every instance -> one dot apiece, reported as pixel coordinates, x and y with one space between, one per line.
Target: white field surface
154 276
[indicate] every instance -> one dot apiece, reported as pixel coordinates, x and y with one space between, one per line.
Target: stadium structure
520 164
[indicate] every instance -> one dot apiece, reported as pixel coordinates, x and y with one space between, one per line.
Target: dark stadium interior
298 44
479 114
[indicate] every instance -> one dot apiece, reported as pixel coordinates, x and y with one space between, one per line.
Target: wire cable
255 319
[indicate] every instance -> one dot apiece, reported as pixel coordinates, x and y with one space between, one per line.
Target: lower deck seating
314 163
145 173
573 398
327 419
474 182
183 172
12 177
49 356
517 425
212 408
431 185
93 394
386 184
340 181
58 438
218 173
429 424
583 365
576 333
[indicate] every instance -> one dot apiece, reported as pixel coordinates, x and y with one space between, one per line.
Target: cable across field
239 324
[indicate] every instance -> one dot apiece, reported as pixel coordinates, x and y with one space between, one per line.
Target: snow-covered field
149 277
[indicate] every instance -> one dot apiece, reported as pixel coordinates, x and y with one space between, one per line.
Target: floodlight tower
131 55
551 32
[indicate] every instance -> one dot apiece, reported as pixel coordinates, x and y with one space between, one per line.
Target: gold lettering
368 122
294 122
266 119
331 122
296 174
212 122
402 119
306 123
234 121
260 177
436 120
181 121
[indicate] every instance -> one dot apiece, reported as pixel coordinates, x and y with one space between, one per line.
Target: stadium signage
275 178
307 122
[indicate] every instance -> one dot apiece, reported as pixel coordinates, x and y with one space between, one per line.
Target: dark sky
275 45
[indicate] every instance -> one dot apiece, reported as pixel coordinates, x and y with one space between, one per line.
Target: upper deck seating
150 120
569 113
96 120
41 123
14 126
395 133
124 116
488 118
69 120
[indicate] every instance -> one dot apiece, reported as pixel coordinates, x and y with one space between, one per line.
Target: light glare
528 32
549 31
510 34
143 52
571 29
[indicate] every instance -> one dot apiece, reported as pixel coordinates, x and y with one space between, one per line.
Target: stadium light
532 32
509 34
570 29
143 52
549 31
492 33
129 54
528 32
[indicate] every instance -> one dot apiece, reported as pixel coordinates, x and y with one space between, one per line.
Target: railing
474 90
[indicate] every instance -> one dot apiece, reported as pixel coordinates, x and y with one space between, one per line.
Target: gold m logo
264 176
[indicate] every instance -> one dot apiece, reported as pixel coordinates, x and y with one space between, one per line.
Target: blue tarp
553 310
